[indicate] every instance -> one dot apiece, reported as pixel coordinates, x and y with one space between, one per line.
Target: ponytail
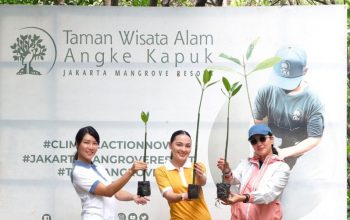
274 150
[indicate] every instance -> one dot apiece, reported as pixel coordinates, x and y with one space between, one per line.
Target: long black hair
80 135
274 151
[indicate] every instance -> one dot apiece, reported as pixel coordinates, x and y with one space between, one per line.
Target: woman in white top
97 191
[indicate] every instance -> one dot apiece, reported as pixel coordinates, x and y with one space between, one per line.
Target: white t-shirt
85 177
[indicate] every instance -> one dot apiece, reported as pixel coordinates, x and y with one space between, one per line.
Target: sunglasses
254 141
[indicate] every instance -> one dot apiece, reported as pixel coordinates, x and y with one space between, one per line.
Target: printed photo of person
289 106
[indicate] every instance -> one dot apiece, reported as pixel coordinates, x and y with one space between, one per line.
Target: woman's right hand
233 198
223 166
138 165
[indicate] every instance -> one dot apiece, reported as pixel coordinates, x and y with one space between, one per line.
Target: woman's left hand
138 165
198 168
201 179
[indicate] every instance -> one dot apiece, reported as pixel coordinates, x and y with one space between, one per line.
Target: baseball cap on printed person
289 71
258 129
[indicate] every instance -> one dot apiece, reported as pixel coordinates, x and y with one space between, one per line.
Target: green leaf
226 84
251 48
234 85
207 76
233 59
144 116
269 62
236 90
212 83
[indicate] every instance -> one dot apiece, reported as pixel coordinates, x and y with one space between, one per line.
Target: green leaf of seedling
233 59
233 86
226 84
269 62
144 116
251 48
207 76
212 83
236 90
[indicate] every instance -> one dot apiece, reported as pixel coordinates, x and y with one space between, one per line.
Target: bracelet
247 197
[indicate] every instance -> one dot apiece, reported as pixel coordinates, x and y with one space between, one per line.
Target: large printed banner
63 68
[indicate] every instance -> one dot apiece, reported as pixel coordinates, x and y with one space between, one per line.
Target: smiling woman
175 175
88 147
97 191
261 179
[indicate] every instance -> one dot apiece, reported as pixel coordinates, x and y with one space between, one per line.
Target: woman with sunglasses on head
261 179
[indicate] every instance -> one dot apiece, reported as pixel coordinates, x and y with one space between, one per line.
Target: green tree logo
26 49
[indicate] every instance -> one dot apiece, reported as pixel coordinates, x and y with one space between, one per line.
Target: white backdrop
102 66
